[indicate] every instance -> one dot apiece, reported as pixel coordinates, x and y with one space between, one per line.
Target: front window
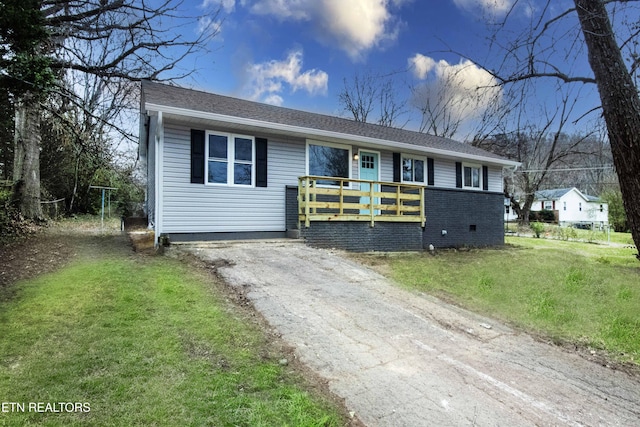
218 159
471 175
243 161
230 159
412 170
330 161
548 205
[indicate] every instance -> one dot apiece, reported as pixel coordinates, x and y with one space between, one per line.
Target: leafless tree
551 47
358 96
540 147
441 114
113 39
458 100
391 108
364 92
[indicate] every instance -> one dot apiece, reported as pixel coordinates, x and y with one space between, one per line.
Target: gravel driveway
404 359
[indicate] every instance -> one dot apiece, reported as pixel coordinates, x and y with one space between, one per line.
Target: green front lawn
569 291
141 342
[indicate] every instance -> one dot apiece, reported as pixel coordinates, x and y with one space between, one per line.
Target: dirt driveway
403 359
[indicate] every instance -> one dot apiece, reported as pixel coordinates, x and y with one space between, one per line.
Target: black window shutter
261 162
430 172
197 156
396 167
458 175
485 178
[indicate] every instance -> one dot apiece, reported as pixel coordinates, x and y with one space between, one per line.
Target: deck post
307 221
422 215
371 203
314 196
300 200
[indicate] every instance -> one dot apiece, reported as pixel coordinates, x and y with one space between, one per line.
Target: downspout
159 142
146 129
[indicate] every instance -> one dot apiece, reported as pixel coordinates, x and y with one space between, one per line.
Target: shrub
544 215
566 233
538 228
5 208
8 215
617 214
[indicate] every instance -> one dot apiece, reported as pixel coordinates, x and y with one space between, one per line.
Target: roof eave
312 132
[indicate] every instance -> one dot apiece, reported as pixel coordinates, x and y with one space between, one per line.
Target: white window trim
424 171
475 166
230 159
334 145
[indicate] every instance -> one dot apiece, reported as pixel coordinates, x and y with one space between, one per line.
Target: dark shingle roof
554 194
557 193
173 96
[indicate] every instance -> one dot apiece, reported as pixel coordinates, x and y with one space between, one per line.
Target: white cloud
464 90
206 24
355 25
268 79
282 9
492 7
421 65
226 5
273 100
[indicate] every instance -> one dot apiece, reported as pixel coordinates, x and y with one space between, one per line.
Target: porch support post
314 196
341 197
371 203
307 222
422 216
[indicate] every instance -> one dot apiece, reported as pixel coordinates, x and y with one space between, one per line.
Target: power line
568 169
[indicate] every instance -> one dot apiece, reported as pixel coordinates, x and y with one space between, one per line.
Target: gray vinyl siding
386 166
444 173
202 208
495 180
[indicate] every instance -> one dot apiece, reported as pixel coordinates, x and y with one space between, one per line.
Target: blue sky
296 53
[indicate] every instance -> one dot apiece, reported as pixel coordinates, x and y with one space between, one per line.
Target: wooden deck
358 200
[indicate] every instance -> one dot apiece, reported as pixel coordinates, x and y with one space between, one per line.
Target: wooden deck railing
358 200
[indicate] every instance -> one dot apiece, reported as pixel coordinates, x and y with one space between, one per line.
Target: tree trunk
26 165
620 104
525 210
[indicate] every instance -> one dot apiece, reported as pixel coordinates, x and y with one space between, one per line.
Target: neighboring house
509 214
572 207
224 168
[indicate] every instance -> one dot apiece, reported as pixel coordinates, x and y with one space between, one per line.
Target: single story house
572 207
225 168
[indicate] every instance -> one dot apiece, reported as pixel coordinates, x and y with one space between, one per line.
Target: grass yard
143 341
569 291
573 234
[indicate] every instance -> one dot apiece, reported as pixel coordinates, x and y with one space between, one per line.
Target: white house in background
573 207
509 214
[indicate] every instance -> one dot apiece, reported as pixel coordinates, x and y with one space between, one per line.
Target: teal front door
369 170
